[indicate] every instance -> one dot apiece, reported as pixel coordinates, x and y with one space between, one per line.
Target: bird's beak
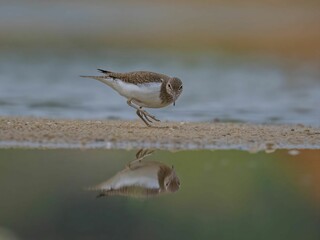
173 173
174 99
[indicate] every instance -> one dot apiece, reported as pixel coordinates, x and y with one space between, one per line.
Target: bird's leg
144 115
141 116
148 115
129 102
140 155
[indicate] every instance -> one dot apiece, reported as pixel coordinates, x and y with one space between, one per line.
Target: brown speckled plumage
131 191
163 172
164 95
139 77
154 90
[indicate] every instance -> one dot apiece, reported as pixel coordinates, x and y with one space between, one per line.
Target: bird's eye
167 184
180 88
169 85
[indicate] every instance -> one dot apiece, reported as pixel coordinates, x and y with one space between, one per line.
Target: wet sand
49 133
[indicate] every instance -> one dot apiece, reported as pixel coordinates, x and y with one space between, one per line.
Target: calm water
218 86
223 195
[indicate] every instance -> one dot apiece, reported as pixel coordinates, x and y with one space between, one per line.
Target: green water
223 195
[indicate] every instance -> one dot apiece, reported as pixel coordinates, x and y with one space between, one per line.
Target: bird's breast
146 94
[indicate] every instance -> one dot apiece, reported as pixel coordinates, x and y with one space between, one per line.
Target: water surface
223 195
217 86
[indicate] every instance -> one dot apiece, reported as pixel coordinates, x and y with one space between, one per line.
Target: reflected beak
174 103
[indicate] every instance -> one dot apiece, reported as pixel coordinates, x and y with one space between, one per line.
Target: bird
143 89
140 179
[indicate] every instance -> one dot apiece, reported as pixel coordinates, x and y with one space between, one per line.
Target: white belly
145 95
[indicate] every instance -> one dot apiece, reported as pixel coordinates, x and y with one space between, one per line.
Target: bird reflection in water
140 179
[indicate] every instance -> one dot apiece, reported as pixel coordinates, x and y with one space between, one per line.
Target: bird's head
172 182
174 88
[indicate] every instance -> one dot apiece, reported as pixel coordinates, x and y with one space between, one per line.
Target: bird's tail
92 188
106 75
104 79
94 77
104 71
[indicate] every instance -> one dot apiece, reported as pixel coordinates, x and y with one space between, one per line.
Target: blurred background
249 61
240 61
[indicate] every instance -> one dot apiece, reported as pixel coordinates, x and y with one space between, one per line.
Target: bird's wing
131 191
138 77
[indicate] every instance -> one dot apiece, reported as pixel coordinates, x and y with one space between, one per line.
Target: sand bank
48 133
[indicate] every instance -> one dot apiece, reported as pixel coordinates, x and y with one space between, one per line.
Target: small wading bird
143 89
140 179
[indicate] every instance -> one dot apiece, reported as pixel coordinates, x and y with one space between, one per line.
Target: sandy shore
48 133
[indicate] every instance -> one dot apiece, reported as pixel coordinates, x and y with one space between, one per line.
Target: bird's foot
146 117
142 153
